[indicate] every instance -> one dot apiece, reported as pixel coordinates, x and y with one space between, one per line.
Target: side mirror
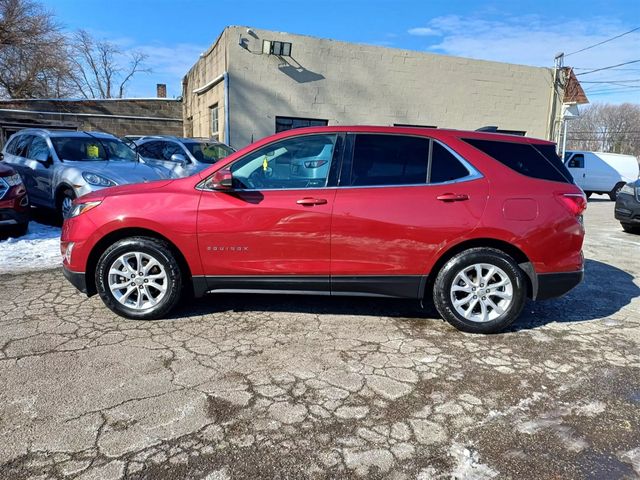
179 158
222 180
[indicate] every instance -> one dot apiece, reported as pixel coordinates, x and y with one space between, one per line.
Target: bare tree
33 55
606 127
99 70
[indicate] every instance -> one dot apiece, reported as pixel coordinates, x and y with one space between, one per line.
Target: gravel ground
296 387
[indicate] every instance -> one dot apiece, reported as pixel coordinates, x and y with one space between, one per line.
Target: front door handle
311 201
453 197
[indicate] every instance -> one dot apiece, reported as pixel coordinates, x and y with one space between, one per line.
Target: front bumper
10 217
627 209
77 279
552 285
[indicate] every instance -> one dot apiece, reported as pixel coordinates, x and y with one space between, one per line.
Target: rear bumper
77 279
552 285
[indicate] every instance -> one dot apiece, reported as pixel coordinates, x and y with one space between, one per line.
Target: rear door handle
311 201
453 197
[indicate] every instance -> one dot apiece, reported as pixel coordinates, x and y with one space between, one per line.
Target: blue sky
174 33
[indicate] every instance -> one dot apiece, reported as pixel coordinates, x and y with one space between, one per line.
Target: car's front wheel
480 290
65 203
139 278
629 228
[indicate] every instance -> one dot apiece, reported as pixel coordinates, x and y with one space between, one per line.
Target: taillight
576 203
315 163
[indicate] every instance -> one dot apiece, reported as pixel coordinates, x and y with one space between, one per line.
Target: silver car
181 157
58 166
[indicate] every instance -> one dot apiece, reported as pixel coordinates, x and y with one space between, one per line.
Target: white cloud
423 31
533 40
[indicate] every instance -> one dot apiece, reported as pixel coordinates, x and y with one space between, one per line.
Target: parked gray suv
58 166
181 157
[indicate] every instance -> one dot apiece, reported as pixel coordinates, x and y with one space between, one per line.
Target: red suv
14 203
480 221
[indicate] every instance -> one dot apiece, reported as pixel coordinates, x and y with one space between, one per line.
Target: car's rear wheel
139 278
480 290
629 228
588 194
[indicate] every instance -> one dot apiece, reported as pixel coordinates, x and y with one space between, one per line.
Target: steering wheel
256 180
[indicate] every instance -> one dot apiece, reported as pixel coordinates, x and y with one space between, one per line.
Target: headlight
13 180
97 180
82 207
628 189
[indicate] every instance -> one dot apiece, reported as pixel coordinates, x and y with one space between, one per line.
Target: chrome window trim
474 174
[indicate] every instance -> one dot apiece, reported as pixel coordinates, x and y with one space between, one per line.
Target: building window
215 122
289 123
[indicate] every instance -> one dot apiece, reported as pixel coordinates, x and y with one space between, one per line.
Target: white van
600 172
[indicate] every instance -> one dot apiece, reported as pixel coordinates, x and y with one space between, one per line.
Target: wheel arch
513 251
116 235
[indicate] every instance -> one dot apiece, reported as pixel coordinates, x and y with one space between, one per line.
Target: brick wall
118 117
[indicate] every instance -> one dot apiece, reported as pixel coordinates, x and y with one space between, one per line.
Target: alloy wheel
481 292
137 280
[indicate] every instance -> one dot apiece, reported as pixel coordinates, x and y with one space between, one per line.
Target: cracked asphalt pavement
235 387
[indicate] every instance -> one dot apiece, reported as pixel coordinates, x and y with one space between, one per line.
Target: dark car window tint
389 160
38 149
523 158
298 162
152 150
577 161
445 167
170 148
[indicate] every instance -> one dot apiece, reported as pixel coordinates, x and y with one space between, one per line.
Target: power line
609 67
622 80
604 41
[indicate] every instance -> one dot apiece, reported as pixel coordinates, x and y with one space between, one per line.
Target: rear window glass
539 161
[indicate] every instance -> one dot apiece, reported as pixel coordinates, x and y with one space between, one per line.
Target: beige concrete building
252 83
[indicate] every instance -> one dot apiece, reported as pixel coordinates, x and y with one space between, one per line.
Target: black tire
613 194
66 195
588 194
629 228
158 250
444 283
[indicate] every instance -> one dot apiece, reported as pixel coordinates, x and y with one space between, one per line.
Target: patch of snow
632 457
39 249
467 465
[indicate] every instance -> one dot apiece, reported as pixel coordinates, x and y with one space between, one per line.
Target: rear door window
389 160
526 159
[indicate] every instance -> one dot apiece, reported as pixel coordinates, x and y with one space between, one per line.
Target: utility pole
557 119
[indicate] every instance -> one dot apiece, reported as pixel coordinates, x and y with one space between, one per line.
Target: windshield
91 149
208 152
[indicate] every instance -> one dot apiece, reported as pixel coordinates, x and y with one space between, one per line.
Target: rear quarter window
535 161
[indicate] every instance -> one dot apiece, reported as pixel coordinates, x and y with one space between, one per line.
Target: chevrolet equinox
478 221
